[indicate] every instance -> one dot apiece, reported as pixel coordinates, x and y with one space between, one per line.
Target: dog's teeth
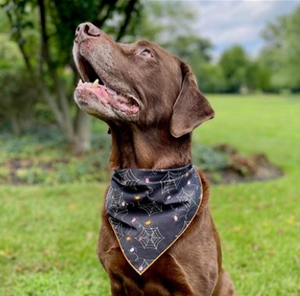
96 82
80 82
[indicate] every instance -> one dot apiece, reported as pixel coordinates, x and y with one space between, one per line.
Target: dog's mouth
93 90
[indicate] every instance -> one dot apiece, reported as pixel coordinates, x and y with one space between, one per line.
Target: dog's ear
191 108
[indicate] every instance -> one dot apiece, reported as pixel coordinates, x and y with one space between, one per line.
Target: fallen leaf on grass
73 206
47 251
242 276
89 235
7 255
20 268
256 248
226 247
84 283
272 252
40 268
292 221
237 228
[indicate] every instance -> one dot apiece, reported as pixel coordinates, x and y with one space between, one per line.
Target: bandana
149 210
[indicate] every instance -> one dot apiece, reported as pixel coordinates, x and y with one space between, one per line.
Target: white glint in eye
146 53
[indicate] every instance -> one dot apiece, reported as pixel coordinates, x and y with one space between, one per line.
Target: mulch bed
244 168
237 168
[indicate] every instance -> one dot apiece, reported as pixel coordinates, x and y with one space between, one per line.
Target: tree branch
128 13
112 4
19 38
45 56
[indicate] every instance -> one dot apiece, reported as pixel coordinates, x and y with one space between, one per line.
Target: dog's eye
146 53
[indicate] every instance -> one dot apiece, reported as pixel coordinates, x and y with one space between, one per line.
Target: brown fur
158 137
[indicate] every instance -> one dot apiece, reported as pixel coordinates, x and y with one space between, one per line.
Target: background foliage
35 53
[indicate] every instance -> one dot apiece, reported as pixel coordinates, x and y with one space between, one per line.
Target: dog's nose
85 30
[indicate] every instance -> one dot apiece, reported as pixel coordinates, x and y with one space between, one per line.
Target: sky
227 23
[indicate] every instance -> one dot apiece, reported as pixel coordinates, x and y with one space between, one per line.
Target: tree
210 77
44 31
162 21
258 76
282 50
189 46
234 62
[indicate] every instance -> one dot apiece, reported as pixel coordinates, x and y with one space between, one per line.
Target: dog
151 103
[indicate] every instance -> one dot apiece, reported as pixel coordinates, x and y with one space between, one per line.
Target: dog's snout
86 30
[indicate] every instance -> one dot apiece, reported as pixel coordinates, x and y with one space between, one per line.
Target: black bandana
148 210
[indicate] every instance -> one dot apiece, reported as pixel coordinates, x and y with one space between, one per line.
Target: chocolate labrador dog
151 103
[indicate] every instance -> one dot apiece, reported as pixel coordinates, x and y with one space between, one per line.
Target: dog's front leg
116 286
124 287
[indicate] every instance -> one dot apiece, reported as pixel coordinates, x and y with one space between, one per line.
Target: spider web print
151 208
118 227
129 179
170 182
187 198
150 238
117 204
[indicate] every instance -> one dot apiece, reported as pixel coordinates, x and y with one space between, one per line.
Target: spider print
117 204
150 238
151 208
170 182
128 178
186 197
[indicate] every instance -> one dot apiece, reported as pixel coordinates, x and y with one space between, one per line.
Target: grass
48 235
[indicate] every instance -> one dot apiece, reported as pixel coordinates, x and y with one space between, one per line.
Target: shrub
210 159
18 98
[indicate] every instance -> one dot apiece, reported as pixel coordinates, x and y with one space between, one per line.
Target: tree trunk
82 138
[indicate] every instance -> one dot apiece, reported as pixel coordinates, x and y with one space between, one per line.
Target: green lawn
48 234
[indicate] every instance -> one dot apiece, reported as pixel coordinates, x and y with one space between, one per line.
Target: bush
40 157
210 159
18 98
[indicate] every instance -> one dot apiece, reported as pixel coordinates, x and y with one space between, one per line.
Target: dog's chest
165 278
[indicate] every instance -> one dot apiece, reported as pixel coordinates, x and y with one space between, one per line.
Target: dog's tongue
109 96
123 104
111 91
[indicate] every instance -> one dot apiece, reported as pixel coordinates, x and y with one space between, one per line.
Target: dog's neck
153 148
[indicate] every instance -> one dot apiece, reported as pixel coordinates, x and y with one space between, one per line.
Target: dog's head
138 83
